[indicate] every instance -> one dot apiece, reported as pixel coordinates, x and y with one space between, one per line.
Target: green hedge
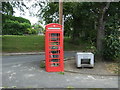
13 18
15 25
15 28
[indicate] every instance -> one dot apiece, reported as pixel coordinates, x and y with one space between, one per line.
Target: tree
76 18
111 43
7 8
13 25
13 18
86 20
101 25
38 28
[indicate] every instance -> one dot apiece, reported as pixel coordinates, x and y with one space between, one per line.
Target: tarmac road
24 72
28 58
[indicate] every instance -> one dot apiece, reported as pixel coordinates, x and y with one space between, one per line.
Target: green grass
34 43
62 73
14 43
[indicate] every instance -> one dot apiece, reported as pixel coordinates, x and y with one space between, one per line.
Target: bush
14 28
13 18
112 42
42 64
14 25
34 31
31 31
111 47
11 27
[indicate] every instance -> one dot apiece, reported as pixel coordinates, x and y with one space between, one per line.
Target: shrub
14 28
42 64
11 27
13 18
112 42
111 47
14 25
31 31
112 39
34 31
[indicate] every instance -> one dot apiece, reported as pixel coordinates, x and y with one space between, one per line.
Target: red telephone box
54 48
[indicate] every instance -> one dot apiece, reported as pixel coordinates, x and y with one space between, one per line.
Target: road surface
24 72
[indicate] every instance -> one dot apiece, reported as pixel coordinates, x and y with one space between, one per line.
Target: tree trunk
100 34
75 35
101 30
76 30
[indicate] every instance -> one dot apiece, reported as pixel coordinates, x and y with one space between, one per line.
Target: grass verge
35 43
14 43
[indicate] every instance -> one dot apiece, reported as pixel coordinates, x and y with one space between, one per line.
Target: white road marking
16 65
91 77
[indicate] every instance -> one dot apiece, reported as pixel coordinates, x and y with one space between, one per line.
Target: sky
33 19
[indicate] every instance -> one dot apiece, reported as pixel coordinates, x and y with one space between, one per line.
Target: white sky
33 19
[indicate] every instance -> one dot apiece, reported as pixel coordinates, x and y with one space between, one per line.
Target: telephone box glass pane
55 60
54 43
55 51
54 47
55 34
55 64
54 56
54 37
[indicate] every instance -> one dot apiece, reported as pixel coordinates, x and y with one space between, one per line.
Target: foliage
79 19
42 64
62 73
112 47
38 28
19 5
82 21
113 67
14 25
31 31
7 8
14 28
13 18
86 21
70 88
112 42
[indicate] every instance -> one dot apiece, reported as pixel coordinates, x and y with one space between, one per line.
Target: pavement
100 68
23 71
25 53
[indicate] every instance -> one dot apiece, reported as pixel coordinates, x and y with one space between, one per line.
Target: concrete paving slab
100 68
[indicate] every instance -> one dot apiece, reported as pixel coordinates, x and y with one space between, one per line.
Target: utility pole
60 11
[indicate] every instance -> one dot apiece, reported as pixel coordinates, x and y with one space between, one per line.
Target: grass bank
34 43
